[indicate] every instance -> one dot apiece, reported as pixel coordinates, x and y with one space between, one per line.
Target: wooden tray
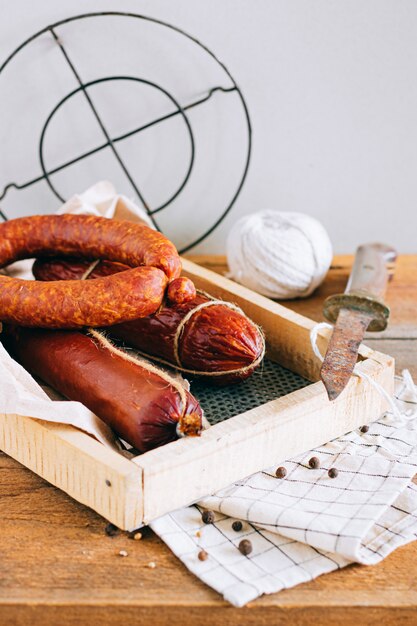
132 492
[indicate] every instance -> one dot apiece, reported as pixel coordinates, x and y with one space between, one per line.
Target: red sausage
181 290
88 237
120 298
74 304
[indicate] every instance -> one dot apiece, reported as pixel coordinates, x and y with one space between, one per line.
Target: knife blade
360 308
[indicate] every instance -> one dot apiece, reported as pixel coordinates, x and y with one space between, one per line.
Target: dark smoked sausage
217 342
139 405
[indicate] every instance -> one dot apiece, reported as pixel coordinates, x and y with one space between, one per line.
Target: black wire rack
110 142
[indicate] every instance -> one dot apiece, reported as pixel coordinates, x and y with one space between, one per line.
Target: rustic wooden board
57 566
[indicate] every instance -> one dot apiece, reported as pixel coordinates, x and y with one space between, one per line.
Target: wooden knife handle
371 271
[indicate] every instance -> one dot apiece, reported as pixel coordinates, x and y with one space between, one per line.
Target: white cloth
307 523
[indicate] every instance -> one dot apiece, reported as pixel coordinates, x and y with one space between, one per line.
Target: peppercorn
281 472
208 517
245 547
202 555
237 526
314 462
364 429
111 530
333 472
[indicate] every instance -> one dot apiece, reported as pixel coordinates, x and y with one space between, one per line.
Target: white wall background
331 88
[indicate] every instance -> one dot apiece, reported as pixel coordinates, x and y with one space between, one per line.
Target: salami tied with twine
203 337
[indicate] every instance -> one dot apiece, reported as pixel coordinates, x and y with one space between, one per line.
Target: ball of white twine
281 255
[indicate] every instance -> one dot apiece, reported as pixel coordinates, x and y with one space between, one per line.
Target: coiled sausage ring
105 301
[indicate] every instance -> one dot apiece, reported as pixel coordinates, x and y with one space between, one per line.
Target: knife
360 308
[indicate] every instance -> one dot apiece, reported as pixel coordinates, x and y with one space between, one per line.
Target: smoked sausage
141 406
88 236
74 304
119 298
216 342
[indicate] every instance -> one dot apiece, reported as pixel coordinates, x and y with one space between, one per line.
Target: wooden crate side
288 333
189 469
378 357
79 465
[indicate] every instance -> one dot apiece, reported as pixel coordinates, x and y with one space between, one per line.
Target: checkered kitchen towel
307 523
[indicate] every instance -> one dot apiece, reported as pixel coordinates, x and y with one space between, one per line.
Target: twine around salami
181 327
187 318
180 330
103 341
89 269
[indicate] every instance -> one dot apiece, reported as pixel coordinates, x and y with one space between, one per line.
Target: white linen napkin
307 523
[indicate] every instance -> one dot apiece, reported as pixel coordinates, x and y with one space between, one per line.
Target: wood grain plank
58 566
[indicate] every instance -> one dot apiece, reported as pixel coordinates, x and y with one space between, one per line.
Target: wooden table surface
57 565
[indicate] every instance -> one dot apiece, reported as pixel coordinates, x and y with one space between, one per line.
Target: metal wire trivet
111 142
